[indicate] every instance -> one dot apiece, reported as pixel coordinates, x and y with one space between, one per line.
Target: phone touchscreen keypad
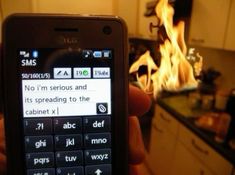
68 145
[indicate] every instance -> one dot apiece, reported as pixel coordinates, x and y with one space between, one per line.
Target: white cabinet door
185 163
166 120
162 146
230 37
209 22
144 22
210 158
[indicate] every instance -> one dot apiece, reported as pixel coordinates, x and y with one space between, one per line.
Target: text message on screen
70 97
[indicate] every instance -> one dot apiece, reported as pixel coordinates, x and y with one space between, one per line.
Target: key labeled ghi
38 143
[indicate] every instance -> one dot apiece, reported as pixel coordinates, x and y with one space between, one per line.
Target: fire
175 72
144 80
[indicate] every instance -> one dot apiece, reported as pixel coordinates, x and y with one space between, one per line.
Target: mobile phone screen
66 99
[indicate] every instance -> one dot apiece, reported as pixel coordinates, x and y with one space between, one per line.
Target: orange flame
175 72
144 80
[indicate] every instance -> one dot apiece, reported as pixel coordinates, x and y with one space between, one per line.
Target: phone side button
39 160
49 171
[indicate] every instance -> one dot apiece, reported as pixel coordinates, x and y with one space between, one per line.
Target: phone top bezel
22 31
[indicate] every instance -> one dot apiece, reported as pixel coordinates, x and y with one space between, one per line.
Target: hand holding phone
63 79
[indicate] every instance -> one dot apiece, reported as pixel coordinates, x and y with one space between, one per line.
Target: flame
144 80
175 72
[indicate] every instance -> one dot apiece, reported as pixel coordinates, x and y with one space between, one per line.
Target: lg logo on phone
28 62
70 40
65 40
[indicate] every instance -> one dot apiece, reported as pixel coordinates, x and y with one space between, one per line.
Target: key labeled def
97 124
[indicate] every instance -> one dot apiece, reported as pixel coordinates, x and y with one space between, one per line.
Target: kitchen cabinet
175 149
133 13
212 24
144 22
163 140
230 37
202 154
185 163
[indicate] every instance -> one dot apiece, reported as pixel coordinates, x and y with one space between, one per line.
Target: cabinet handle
152 26
164 118
198 40
197 147
157 129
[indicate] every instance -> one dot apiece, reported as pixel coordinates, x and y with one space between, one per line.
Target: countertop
178 107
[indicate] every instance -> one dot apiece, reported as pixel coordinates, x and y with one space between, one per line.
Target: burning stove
176 70
175 67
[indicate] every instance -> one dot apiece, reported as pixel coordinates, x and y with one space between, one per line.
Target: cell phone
65 94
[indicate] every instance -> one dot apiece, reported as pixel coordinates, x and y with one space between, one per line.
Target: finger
139 102
133 170
136 145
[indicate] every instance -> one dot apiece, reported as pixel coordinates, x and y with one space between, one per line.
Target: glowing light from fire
175 72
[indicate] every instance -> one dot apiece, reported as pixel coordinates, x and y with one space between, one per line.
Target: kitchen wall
128 10
58 6
223 61
132 11
209 30
13 6
74 6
